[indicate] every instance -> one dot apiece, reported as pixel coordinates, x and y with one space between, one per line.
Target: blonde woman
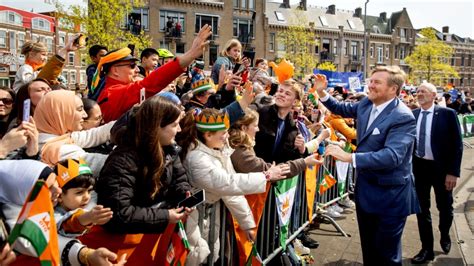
35 57
230 54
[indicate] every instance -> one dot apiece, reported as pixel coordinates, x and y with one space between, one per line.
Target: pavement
335 249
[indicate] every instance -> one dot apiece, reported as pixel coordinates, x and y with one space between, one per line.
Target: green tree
430 59
328 66
103 21
299 40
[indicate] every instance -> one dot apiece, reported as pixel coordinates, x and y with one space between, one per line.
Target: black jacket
265 138
122 187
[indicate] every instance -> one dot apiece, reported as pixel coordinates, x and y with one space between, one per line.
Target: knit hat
211 122
203 85
71 169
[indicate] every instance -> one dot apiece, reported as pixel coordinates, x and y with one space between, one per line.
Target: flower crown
211 122
70 170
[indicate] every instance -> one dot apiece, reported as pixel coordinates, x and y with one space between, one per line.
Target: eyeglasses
6 101
132 65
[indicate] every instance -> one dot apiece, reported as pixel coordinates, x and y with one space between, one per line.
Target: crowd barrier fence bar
267 242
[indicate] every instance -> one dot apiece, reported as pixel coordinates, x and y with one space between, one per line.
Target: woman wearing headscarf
59 117
17 178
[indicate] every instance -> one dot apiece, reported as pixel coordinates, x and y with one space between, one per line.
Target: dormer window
11 17
41 24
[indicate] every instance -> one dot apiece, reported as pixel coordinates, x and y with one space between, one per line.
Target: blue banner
349 80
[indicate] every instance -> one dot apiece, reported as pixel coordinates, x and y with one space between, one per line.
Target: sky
457 14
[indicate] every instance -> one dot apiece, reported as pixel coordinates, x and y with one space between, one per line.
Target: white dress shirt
429 122
379 108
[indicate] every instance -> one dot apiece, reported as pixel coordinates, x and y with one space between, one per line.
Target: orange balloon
284 70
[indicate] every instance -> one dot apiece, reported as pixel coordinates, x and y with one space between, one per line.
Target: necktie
373 115
422 137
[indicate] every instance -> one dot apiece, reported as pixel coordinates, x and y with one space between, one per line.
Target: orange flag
256 203
311 176
36 225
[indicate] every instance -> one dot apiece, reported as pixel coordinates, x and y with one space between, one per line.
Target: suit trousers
427 175
380 238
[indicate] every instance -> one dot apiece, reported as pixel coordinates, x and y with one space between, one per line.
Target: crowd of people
153 130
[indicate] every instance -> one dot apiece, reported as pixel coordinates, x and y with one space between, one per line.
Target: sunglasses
132 65
6 101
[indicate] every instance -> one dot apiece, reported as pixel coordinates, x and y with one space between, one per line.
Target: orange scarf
34 65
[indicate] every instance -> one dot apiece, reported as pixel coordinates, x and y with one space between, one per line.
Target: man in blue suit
384 192
437 163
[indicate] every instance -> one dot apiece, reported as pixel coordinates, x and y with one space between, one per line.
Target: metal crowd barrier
267 243
467 127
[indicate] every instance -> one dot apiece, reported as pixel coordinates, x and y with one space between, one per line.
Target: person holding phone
142 182
207 161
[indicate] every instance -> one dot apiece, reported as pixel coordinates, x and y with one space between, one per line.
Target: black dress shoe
445 243
422 257
308 242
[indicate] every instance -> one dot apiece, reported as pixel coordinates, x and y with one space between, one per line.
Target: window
10 17
243 29
469 60
346 48
252 4
71 58
12 41
323 20
72 79
334 47
387 52
165 16
353 48
83 61
62 39
351 24
180 48
21 40
371 51
271 45
379 54
403 34
65 74
316 49
82 78
376 29
213 53
235 3
41 24
164 45
281 46
49 45
64 23
3 39
462 60
243 3
202 20
402 52
280 16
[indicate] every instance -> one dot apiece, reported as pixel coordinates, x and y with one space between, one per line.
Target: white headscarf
17 177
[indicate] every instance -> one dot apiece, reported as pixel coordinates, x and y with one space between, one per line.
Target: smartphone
273 89
142 95
250 55
3 235
236 68
26 110
194 200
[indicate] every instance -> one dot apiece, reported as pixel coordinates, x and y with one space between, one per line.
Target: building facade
17 27
340 35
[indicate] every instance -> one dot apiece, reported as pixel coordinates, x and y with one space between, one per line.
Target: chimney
358 12
332 9
303 5
383 16
285 4
446 29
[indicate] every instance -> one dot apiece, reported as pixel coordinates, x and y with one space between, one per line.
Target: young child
35 54
76 181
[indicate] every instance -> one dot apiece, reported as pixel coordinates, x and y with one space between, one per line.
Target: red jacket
118 97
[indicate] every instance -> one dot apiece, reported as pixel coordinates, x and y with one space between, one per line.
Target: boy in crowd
148 61
76 181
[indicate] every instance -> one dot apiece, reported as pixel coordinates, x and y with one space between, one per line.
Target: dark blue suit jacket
385 182
446 140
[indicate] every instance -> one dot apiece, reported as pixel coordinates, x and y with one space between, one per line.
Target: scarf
54 114
109 58
34 65
18 177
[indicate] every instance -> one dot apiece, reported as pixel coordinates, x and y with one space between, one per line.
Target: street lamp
365 41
